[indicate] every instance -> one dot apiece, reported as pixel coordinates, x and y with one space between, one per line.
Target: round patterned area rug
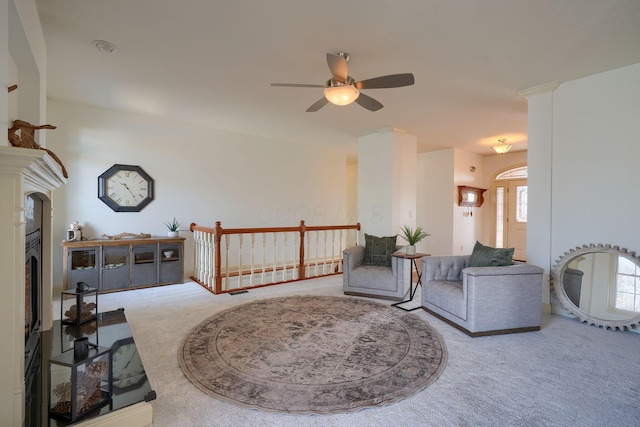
313 355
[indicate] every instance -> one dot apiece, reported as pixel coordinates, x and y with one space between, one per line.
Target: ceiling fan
342 89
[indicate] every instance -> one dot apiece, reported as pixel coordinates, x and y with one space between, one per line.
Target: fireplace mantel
38 168
22 171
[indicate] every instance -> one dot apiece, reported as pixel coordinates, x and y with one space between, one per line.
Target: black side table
414 266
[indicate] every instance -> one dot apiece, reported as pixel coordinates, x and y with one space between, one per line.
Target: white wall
596 149
540 135
352 192
468 229
386 182
435 201
201 175
404 182
8 69
375 184
583 155
27 48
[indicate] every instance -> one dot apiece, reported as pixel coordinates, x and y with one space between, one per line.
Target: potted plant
173 227
412 237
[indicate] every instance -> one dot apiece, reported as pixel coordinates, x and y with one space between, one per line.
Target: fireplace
33 296
32 276
28 178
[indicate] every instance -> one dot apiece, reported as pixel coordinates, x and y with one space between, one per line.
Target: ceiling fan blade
295 85
368 102
384 82
338 67
317 105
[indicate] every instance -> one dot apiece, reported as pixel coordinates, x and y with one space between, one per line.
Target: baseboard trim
138 415
484 333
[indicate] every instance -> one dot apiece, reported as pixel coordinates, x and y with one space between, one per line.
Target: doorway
510 225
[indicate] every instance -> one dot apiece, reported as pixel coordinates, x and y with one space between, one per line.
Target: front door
516 219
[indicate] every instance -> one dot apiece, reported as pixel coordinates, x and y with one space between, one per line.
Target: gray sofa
373 280
482 300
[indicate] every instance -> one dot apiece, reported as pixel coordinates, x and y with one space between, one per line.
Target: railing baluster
296 244
226 259
200 250
207 268
253 245
284 256
204 272
324 263
302 272
240 268
340 249
306 263
198 259
333 250
275 250
317 234
264 256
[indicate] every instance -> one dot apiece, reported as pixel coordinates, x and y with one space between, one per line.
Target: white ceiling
212 62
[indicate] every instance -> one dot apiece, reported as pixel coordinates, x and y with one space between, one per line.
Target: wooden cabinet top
121 242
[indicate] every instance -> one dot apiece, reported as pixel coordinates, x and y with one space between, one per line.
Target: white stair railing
275 255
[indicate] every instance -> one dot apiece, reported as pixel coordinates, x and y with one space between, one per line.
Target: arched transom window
515 173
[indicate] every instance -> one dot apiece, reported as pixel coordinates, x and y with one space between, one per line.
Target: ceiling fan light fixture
502 147
341 95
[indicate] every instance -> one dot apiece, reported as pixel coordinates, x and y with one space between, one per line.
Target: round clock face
125 188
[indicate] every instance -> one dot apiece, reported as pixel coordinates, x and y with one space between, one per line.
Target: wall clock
125 188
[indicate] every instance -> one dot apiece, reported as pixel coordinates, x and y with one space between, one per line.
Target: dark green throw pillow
378 250
486 256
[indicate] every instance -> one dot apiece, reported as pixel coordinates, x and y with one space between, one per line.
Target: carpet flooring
313 355
566 374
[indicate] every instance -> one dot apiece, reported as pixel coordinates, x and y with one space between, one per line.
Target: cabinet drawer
144 268
90 276
83 267
170 271
115 267
170 263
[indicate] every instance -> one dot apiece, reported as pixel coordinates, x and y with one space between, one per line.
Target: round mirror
599 284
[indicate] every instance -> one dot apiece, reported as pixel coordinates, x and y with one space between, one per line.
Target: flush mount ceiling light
501 148
341 95
105 47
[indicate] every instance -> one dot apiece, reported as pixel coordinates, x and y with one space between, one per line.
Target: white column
539 160
4 67
22 171
387 168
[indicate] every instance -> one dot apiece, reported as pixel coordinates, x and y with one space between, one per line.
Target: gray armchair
482 300
572 283
373 280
